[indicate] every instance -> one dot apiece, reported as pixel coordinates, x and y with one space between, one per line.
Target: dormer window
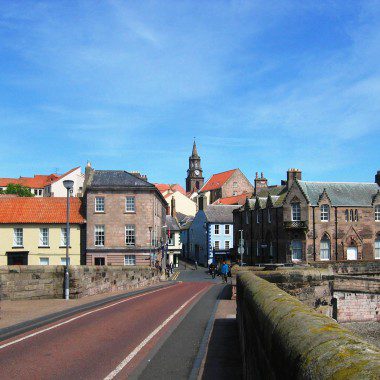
377 213
325 213
296 212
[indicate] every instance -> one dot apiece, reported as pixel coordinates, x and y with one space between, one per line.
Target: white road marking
148 338
77 317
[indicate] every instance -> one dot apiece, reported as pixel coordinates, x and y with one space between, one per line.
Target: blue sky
263 85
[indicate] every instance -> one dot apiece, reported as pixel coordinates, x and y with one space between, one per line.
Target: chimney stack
88 171
173 210
292 175
201 202
377 177
260 183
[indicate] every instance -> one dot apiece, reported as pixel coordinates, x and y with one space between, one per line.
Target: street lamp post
150 246
163 248
68 185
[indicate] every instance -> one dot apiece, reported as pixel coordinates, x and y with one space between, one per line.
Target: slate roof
186 222
117 179
217 180
272 190
31 210
340 193
220 213
172 223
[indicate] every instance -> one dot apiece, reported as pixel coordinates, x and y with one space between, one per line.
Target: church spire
195 152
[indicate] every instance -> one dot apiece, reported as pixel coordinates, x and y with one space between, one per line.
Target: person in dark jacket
224 271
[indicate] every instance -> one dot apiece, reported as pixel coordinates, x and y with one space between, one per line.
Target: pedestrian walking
171 268
224 271
196 265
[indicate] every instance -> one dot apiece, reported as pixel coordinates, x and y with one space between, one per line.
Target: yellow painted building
33 231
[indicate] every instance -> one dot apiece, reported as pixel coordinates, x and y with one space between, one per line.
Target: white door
352 253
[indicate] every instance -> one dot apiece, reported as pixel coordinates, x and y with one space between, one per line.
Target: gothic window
296 212
377 248
377 213
325 213
346 215
296 248
356 215
325 248
351 215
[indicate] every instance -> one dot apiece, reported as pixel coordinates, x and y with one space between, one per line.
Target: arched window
356 215
351 215
296 247
346 215
325 248
377 213
377 248
296 212
325 213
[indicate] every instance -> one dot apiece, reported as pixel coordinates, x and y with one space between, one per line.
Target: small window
356 215
63 237
99 204
377 213
99 261
99 235
171 240
44 261
234 193
129 260
227 229
377 248
235 185
217 244
269 216
325 213
216 229
346 215
18 237
130 238
296 212
130 204
351 215
226 244
40 192
44 237
63 261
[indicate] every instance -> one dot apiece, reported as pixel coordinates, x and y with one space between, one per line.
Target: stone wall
281 338
358 267
90 280
37 282
31 282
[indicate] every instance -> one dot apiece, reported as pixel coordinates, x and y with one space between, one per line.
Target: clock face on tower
196 172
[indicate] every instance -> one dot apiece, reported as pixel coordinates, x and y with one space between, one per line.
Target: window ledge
62 246
44 246
99 212
129 212
18 246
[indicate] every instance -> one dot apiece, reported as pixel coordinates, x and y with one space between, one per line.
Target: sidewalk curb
20 328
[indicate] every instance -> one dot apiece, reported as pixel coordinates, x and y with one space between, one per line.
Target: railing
295 225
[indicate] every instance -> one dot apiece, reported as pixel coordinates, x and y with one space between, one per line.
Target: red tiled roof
39 210
217 180
162 187
234 200
39 181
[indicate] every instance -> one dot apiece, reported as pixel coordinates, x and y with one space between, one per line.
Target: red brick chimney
293 174
260 183
173 210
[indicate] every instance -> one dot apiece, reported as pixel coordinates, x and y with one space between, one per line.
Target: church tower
194 180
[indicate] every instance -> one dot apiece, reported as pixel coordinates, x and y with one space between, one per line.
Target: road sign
241 250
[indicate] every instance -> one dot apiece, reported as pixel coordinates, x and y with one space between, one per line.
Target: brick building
304 221
125 218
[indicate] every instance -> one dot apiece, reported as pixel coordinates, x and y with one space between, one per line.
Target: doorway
352 253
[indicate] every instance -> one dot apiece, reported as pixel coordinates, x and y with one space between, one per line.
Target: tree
21 191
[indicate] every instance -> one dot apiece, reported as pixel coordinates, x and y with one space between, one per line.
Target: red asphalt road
92 346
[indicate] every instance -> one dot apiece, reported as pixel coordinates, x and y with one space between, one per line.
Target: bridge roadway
153 335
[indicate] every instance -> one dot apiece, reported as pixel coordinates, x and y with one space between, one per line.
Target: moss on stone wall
293 340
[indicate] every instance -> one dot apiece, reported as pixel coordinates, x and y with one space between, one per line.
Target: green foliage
21 191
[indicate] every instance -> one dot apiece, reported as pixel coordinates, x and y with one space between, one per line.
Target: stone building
194 179
304 221
125 218
223 185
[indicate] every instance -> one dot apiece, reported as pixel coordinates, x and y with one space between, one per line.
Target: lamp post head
68 184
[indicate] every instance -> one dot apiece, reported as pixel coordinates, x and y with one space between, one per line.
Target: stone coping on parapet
283 338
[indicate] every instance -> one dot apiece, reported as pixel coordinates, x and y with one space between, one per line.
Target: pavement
183 330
